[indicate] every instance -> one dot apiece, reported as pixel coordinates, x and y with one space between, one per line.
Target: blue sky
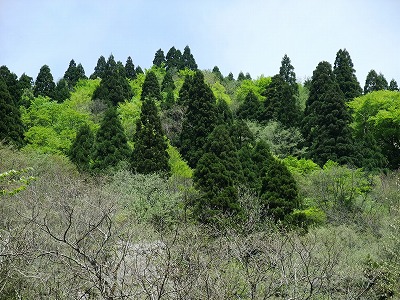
236 35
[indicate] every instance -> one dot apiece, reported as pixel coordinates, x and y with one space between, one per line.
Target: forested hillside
180 183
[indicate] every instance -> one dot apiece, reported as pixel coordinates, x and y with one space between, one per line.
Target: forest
179 183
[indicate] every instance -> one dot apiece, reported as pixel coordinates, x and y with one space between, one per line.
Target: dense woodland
179 183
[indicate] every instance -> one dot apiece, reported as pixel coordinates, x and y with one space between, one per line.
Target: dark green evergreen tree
241 76
159 58
248 76
279 194
375 82
167 83
173 59
218 73
184 92
130 69
326 123
286 71
100 69
121 69
25 82
11 128
393 85
188 60
81 149
11 81
200 119
151 87
230 76
169 101
224 113
139 70
261 158
61 92
250 109
44 84
241 134
345 76
114 87
73 74
216 176
150 152
280 103
111 145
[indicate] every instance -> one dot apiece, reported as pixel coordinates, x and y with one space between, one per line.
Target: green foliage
220 93
130 69
305 218
282 141
200 120
280 103
151 87
344 72
326 120
82 148
256 86
44 84
216 176
286 72
11 127
375 82
188 61
100 69
279 194
15 181
250 108
159 58
218 73
150 151
168 84
376 117
224 113
14 87
111 146
179 167
62 91
300 167
51 126
73 74
393 86
173 59
129 113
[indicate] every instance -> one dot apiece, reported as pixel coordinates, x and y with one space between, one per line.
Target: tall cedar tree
73 74
130 69
167 84
113 88
345 76
62 91
11 128
279 194
188 60
173 59
375 82
151 87
200 119
216 176
326 123
139 70
286 71
224 113
111 145
100 69
393 85
184 92
280 103
241 76
150 152
217 73
13 85
159 58
81 149
44 84
250 109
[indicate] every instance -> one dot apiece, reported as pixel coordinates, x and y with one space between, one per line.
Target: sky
235 35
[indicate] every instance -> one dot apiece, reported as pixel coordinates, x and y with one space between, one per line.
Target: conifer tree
62 92
73 74
151 87
139 70
241 76
248 76
216 176
167 83
173 59
159 58
280 104
393 85
184 92
230 76
375 82
326 123
150 152
188 60
44 84
11 81
25 82
250 109
11 128
81 149
169 101
345 76
113 88
200 119
224 113
279 194
217 73
100 69
130 69
111 145
286 71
